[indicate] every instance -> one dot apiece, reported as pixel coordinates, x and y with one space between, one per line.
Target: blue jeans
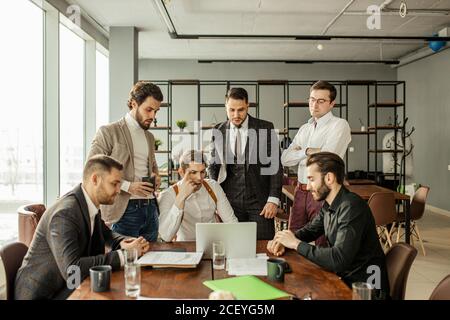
139 219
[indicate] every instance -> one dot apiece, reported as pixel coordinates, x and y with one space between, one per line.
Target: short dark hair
324 85
142 90
328 162
237 94
192 156
100 162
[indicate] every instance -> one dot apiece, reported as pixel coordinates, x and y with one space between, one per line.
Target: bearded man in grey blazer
72 236
135 213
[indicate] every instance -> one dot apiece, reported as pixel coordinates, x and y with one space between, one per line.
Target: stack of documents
171 259
248 266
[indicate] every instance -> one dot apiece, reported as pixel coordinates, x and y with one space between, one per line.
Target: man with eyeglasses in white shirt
323 132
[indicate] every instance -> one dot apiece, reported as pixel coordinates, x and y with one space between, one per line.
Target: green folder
247 288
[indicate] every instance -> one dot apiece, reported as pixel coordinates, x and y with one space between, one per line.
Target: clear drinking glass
362 291
132 273
131 255
218 255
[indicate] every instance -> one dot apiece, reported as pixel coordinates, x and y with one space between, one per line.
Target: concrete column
123 68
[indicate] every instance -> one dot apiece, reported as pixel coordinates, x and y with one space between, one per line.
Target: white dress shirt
331 134
140 149
93 211
198 207
243 130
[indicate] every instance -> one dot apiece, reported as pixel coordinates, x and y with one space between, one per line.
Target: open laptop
239 238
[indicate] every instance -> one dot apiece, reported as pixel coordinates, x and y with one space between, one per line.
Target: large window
21 101
71 97
102 89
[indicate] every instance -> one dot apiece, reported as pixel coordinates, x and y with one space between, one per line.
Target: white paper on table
171 258
247 266
262 256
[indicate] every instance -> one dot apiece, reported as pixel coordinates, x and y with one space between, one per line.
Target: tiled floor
427 271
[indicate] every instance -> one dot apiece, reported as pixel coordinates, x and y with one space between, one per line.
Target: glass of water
218 255
362 291
132 273
131 255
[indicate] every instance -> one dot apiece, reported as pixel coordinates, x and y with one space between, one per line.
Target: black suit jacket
262 158
63 239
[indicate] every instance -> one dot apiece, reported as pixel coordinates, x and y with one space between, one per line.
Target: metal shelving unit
397 103
373 106
167 104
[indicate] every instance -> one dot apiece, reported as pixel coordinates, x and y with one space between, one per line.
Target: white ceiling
268 17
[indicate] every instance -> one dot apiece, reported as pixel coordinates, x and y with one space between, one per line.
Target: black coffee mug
276 268
100 278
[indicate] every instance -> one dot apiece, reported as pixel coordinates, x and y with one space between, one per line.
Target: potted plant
157 143
181 124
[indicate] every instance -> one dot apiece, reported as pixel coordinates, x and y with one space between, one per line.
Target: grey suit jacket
114 140
262 158
62 239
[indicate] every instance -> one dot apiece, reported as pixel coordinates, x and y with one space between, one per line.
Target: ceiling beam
165 16
387 62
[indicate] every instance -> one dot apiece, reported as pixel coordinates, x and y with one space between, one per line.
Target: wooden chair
12 256
442 290
28 219
382 205
399 260
417 209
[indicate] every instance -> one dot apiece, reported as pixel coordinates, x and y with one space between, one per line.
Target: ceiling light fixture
320 47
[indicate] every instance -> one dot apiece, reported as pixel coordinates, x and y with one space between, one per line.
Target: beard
141 121
104 198
323 191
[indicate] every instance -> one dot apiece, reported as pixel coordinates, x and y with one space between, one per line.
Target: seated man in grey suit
71 235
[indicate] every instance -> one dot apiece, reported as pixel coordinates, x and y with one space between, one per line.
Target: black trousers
265 229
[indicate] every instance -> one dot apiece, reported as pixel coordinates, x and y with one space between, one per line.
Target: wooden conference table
178 283
365 191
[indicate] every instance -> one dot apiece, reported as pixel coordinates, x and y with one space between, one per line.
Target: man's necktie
238 144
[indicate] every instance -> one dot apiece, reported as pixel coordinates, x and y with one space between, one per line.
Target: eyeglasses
313 100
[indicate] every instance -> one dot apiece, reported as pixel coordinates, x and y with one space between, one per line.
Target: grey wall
428 109
271 98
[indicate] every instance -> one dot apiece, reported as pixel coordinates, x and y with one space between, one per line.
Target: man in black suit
71 236
245 160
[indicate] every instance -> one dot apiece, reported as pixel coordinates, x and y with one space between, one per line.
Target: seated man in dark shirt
354 251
